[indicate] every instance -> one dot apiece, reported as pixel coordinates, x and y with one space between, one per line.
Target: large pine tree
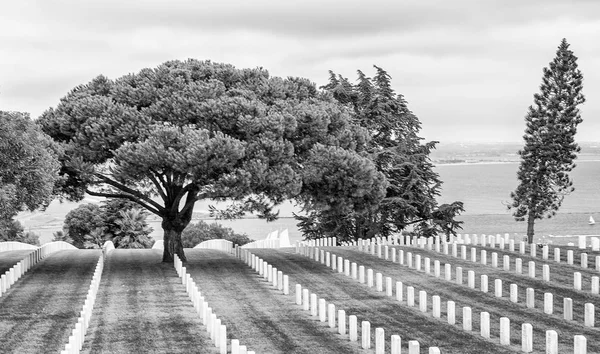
550 148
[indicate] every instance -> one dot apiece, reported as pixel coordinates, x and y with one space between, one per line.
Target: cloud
468 65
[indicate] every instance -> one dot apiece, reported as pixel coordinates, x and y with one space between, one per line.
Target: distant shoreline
466 163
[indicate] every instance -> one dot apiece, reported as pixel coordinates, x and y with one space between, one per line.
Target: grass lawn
380 310
39 311
497 307
10 258
142 307
261 317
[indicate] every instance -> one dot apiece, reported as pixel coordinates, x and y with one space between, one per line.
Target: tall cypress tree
550 148
397 151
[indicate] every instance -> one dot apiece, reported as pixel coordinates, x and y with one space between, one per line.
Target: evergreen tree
394 147
550 149
167 137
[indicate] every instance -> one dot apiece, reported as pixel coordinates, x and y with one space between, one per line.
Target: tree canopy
402 162
550 148
167 137
28 166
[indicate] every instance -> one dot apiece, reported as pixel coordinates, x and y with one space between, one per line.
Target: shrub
202 231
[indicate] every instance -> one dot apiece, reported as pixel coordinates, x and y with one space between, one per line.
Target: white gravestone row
326 312
530 293
215 328
76 339
15 273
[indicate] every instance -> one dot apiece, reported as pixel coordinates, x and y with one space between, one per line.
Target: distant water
484 189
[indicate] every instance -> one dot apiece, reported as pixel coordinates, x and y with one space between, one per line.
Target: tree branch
180 195
132 192
124 196
152 176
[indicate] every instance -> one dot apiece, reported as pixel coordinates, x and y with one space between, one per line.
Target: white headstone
526 338
467 320
530 298
342 322
548 303
504 331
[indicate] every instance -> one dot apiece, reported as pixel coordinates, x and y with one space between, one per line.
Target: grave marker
467 321
551 342
484 283
530 298
342 322
451 312
526 338
568 309
548 303
504 331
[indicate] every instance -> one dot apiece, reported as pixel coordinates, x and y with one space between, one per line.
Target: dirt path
38 313
261 317
479 301
142 307
10 258
380 310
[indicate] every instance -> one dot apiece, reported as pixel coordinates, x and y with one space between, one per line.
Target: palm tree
132 230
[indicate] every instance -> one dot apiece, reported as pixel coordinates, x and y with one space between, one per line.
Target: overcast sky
468 68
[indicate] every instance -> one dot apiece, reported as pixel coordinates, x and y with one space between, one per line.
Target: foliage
203 231
90 225
167 137
395 150
60 235
29 168
132 230
12 230
550 148
81 221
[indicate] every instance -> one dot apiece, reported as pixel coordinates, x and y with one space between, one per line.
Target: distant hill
456 152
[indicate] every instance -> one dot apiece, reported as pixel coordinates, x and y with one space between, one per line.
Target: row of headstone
216 330
580 345
320 242
77 337
217 244
15 246
577 281
326 312
533 248
377 280
530 294
20 268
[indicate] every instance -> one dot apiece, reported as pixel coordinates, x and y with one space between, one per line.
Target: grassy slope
10 258
142 307
479 301
38 313
261 317
375 307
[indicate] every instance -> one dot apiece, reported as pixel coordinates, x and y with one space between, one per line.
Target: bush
12 230
90 225
202 231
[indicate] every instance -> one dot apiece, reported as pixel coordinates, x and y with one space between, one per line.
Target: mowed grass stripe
462 295
257 314
38 313
381 311
142 307
10 258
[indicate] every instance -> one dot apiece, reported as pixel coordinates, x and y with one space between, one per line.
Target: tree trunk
530 222
172 239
